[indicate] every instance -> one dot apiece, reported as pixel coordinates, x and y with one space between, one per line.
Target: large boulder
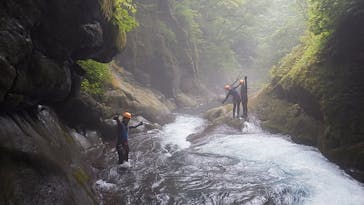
39 43
281 116
223 115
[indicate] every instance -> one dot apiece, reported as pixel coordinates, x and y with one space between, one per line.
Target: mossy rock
351 158
80 175
223 115
280 116
185 101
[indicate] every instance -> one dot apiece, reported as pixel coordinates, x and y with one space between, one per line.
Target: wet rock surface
40 41
41 163
223 115
39 44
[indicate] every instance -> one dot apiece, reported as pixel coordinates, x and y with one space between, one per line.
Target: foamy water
253 167
176 133
301 166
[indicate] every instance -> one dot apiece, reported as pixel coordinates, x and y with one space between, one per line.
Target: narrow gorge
69 66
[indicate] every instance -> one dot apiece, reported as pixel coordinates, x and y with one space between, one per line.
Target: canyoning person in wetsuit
236 99
244 97
122 146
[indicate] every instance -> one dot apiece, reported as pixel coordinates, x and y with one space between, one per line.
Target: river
223 167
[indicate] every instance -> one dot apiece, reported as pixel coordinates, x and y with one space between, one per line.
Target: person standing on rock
244 96
122 146
236 99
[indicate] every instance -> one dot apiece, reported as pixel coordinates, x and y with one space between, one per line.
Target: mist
181 102
252 36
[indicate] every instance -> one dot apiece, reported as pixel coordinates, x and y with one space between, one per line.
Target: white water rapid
253 167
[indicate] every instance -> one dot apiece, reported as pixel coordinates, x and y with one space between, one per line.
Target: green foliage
123 15
323 14
120 12
308 66
167 32
234 36
286 64
97 74
216 57
187 16
323 78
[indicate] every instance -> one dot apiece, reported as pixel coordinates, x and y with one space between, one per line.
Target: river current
224 167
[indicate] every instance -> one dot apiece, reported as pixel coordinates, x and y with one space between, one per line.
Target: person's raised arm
226 98
236 86
116 117
135 126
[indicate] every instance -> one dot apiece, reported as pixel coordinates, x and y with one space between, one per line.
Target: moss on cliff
97 75
281 116
316 93
121 13
83 179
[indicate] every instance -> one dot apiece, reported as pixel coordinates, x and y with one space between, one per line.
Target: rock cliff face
159 52
320 101
123 93
40 41
39 44
41 162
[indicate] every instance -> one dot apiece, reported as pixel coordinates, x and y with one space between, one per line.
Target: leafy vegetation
167 33
97 75
235 36
187 16
120 12
323 17
322 77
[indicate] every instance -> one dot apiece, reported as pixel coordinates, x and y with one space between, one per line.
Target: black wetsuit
244 100
236 101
